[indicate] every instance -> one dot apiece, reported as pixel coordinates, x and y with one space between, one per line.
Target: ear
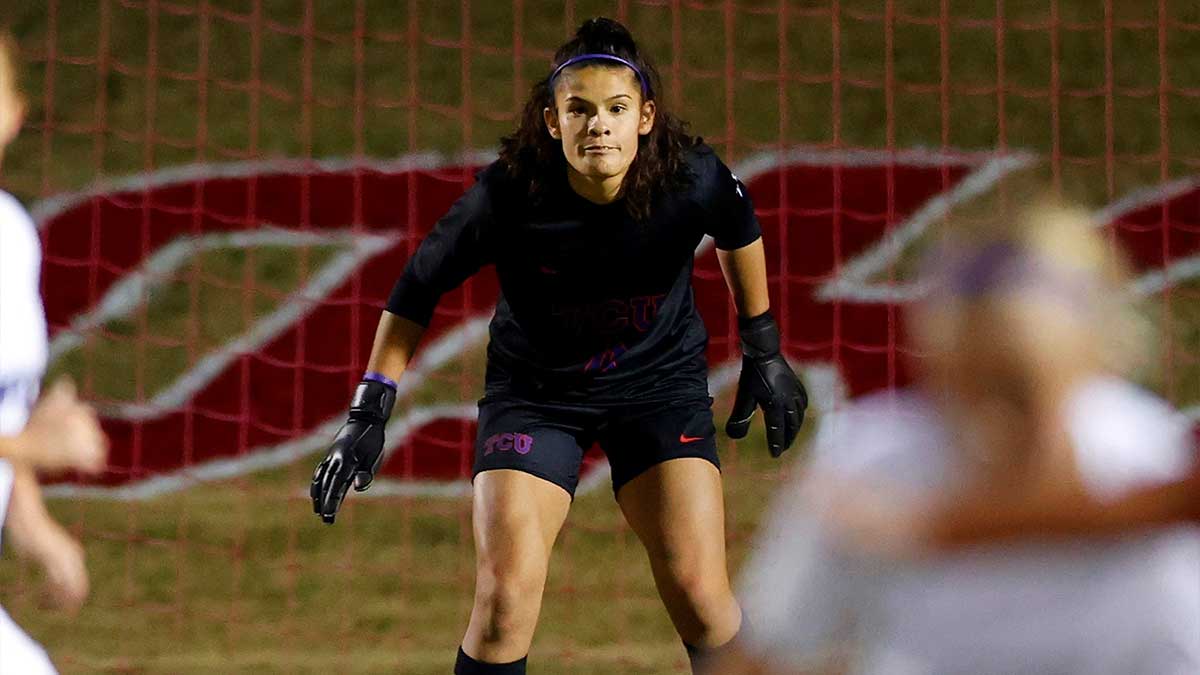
646 123
9 128
551 122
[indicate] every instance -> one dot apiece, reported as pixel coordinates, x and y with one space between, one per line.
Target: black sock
702 656
466 665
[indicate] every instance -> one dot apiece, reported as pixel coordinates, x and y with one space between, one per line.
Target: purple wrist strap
381 378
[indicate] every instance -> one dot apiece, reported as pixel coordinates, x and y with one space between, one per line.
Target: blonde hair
12 104
1051 264
8 67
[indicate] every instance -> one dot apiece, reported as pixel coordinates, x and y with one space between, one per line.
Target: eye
617 109
576 110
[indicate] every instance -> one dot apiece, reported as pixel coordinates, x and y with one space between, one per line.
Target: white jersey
1124 606
22 365
22 326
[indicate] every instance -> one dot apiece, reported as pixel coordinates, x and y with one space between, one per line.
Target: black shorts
549 440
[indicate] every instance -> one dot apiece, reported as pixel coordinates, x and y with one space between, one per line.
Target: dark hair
532 157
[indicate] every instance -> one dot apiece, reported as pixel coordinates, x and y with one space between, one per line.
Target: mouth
600 148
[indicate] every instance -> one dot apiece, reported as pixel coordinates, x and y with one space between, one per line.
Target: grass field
239 576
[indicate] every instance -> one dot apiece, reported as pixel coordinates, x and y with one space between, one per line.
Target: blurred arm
36 535
62 433
745 271
27 518
17 448
1071 511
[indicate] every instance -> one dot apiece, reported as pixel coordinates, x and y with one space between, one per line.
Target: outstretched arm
987 517
767 380
892 526
456 248
357 451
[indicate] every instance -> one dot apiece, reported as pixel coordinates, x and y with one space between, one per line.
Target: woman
591 216
1018 389
61 433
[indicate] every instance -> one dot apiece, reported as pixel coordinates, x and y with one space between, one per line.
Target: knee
701 602
507 601
703 585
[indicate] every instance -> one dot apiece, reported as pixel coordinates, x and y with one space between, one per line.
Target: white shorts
19 654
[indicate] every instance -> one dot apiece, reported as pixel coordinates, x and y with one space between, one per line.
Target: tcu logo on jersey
835 225
609 316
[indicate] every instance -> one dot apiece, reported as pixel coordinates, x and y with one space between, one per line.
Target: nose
597 126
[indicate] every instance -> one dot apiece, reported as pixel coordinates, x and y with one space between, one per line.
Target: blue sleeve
456 248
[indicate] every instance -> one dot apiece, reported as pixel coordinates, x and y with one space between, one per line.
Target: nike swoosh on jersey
689 439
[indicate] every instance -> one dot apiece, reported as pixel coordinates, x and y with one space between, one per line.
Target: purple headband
602 57
1003 265
986 269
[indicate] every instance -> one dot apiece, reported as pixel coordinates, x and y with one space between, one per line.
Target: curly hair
533 158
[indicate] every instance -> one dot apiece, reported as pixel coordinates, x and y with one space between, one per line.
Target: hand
767 381
64 433
62 558
357 450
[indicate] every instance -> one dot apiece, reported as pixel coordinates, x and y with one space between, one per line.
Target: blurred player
1017 394
592 216
62 433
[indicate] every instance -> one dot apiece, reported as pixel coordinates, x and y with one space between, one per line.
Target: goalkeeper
592 216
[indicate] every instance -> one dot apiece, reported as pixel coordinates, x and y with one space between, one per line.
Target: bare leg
517 517
678 511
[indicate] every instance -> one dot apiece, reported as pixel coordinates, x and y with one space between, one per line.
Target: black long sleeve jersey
594 305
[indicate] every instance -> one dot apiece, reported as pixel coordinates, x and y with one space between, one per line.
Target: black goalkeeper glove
357 449
768 381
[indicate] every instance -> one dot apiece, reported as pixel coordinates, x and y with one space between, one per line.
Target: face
1002 369
598 115
989 394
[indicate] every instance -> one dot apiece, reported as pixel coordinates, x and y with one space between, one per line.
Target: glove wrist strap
380 377
760 335
372 402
